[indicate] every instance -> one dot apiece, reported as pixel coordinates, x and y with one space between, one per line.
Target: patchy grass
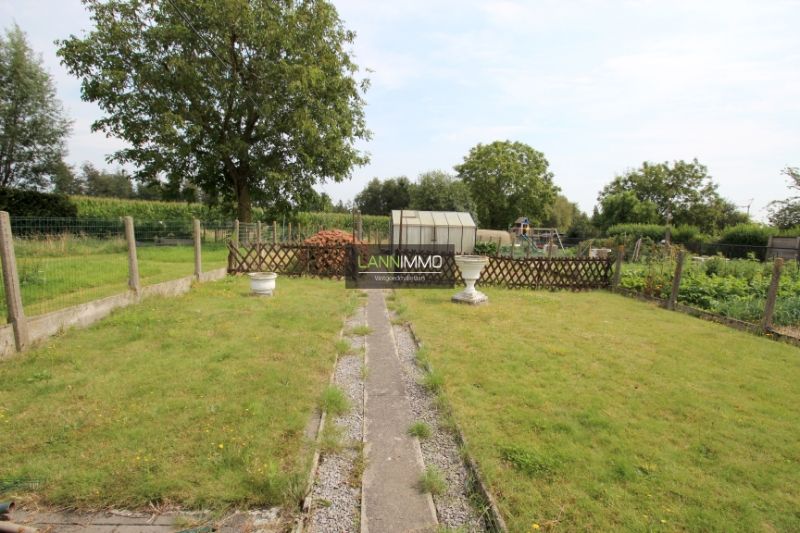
420 429
334 401
199 400
360 331
591 411
432 481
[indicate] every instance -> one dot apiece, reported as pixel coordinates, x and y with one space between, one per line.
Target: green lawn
591 411
54 277
199 400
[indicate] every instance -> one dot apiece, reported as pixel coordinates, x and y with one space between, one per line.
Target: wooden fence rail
330 262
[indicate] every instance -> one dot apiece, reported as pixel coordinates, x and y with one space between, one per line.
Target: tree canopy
33 126
786 213
251 100
380 197
680 193
439 191
507 180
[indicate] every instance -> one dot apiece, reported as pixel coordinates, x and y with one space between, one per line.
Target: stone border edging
495 520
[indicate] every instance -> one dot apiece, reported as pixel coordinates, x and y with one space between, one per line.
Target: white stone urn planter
262 283
471 267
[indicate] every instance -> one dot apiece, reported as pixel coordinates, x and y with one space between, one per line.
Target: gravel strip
336 504
440 449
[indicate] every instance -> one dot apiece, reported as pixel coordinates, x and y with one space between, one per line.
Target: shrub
737 240
485 248
655 232
688 235
22 203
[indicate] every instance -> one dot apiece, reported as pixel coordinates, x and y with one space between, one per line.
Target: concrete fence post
235 236
274 232
133 263
676 281
359 226
618 267
258 232
772 294
198 248
16 313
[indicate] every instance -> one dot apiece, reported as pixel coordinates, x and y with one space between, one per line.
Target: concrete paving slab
391 500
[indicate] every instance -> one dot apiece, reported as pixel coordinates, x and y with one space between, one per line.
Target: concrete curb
491 513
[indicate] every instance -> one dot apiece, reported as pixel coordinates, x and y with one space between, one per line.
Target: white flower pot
262 283
471 267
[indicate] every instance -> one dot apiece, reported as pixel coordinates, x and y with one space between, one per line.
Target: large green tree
508 180
252 100
786 213
439 191
681 192
33 126
380 197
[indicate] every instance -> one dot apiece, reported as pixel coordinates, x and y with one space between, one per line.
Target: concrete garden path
391 501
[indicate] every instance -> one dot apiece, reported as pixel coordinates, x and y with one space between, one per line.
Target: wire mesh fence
65 262
732 288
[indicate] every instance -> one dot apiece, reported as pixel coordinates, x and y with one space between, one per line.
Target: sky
598 86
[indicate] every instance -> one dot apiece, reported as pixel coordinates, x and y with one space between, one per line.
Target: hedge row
22 203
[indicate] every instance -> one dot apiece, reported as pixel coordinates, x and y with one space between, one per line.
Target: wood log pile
327 252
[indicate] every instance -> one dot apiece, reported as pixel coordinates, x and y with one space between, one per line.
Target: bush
688 235
22 203
737 241
655 232
747 234
485 248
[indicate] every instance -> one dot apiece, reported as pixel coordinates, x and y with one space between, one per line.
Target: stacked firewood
327 252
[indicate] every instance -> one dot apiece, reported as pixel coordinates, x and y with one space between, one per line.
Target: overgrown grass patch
420 429
432 481
334 401
591 411
200 400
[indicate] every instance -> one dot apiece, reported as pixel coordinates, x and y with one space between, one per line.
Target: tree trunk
243 208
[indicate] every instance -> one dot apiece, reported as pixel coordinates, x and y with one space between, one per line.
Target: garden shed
411 227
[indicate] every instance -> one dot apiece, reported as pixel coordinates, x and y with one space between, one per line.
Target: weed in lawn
334 401
359 465
332 438
433 381
529 462
432 481
360 331
343 347
420 429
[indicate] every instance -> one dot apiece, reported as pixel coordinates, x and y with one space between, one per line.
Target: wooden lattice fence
330 261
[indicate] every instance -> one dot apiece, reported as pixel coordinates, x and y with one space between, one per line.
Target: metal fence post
676 282
772 294
198 249
618 267
133 263
16 313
